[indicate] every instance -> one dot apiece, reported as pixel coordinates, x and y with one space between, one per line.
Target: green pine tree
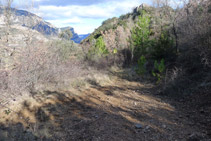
140 36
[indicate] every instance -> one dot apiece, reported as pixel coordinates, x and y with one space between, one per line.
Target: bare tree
169 12
197 31
7 16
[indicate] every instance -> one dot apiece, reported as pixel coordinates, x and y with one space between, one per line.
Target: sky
83 15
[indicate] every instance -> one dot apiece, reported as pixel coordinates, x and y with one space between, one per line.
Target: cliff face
29 20
75 36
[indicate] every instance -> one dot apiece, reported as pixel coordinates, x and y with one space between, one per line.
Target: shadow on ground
189 96
122 110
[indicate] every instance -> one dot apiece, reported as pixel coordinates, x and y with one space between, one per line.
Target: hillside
144 76
29 20
116 31
168 46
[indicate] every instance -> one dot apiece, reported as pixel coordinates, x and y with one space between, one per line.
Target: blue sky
83 15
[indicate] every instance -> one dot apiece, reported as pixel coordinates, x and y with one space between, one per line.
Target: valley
142 76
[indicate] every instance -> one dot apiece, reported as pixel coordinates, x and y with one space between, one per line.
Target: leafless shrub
189 22
172 75
29 69
176 81
7 16
38 65
195 28
36 62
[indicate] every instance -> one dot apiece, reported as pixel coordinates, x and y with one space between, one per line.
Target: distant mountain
32 21
29 20
75 36
83 36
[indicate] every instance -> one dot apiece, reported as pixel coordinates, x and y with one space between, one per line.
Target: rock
202 111
138 126
147 127
195 137
187 115
164 126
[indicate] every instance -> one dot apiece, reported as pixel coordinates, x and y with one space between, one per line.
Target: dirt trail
120 110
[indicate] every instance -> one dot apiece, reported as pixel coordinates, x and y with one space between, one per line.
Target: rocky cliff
29 20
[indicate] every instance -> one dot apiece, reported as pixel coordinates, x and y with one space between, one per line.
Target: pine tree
140 36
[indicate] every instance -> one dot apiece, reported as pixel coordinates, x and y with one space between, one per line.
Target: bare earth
119 110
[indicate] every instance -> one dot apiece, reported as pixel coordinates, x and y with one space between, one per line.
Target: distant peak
67 27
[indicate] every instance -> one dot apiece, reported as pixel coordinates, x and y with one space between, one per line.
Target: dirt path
119 110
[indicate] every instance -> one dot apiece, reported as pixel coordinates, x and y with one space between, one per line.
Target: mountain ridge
34 22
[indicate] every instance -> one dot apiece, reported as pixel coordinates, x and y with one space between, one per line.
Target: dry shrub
175 82
3 80
194 58
194 31
121 59
37 65
28 61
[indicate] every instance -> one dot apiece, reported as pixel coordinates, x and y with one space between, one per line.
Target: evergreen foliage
158 70
140 36
146 48
164 47
99 49
141 65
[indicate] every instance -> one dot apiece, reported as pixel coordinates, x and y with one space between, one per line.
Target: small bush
98 50
141 65
158 70
65 49
164 48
